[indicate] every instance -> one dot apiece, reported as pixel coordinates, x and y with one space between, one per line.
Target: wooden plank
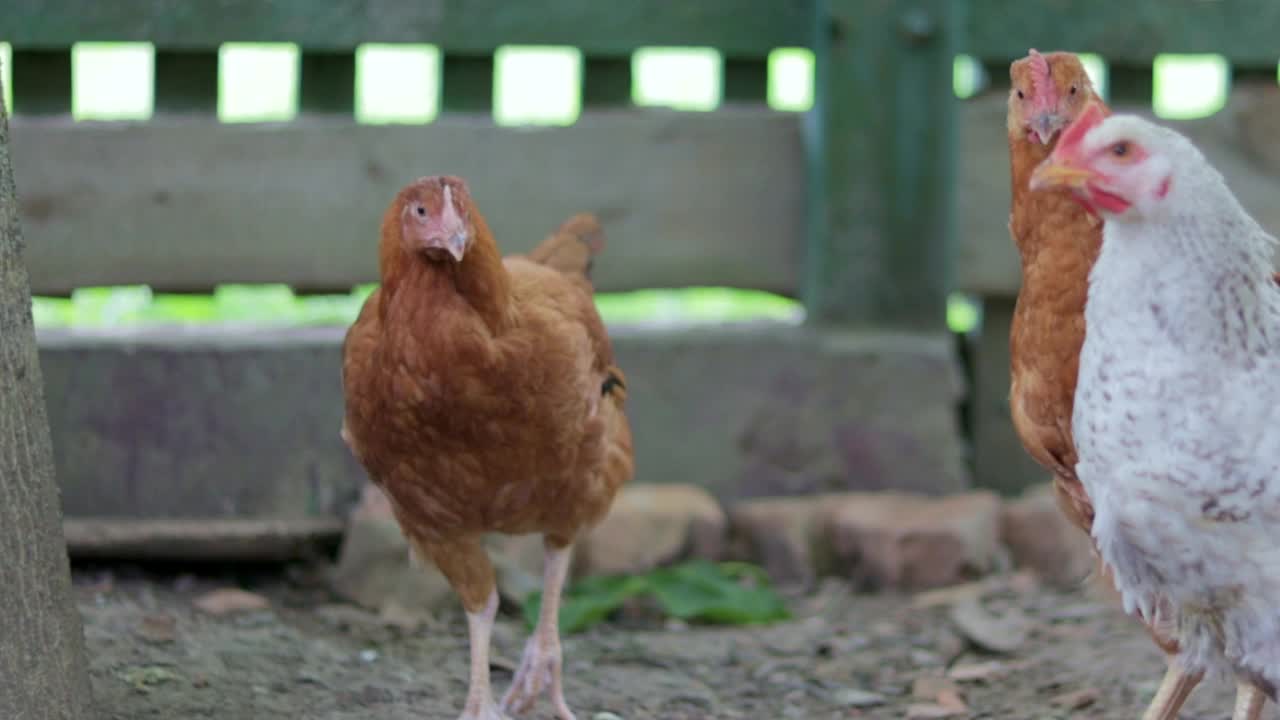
186 204
1242 141
606 82
1132 32
186 81
743 27
1133 85
327 83
242 423
42 81
746 80
466 84
884 98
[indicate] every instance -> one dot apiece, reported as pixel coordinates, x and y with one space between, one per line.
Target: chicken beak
1054 173
1045 125
455 244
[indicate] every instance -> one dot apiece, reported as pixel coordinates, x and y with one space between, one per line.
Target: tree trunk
43 674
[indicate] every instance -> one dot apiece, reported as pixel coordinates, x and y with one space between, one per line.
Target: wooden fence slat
186 81
466 83
1131 84
327 83
743 27
185 204
885 105
746 80
1131 32
42 81
606 82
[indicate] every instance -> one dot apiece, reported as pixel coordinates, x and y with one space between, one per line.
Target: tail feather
572 247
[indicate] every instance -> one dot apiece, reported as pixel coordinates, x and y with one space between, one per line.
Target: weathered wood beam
880 251
1132 32
188 204
470 26
241 423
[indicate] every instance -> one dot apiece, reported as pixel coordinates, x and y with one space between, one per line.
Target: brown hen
482 396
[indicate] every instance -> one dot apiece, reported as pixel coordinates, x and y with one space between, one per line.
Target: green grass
532 86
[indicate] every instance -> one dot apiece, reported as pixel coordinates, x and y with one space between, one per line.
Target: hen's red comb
1075 132
1043 93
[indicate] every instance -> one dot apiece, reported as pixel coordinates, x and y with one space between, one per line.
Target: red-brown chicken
482 396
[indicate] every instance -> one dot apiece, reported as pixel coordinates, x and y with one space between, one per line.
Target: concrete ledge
239 422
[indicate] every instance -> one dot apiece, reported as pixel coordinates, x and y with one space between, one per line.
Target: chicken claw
1249 702
540 668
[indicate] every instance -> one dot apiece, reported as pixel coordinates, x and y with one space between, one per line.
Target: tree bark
43 673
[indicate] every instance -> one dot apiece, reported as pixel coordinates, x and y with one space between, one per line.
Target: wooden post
43 674
606 82
882 142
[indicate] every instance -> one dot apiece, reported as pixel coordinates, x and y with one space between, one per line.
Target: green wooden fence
872 207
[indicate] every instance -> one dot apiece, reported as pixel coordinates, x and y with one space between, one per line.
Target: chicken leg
541 665
466 566
480 705
1174 691
1249 702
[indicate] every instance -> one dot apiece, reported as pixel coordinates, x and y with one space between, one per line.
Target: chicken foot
1249 702
540 668
1174 691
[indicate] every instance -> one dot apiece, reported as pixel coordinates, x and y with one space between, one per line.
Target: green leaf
701 590
588 601
727 593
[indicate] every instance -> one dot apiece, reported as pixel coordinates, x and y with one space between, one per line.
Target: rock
1040 538
932 711
652 525
374 570
978 672
229 600
1002 634
783 535
157 628
853 697
914 542
929 687
1076 700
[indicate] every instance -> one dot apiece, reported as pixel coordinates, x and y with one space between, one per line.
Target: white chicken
1177 408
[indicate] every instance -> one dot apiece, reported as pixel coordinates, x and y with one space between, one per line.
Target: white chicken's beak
1053 173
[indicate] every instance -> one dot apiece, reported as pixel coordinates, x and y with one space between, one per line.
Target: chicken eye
1020 95
1073 89
1120 149
422 212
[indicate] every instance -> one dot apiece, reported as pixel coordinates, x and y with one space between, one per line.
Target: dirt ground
153 655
